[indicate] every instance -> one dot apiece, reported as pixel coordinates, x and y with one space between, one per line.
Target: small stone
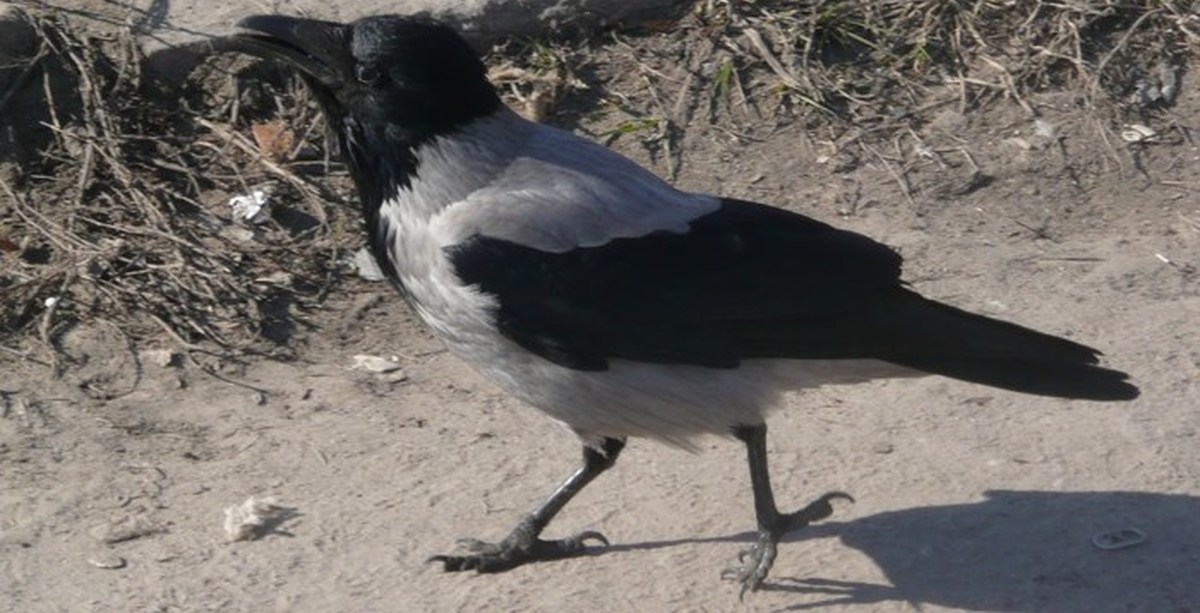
107 561
127 530
239 234
1019 143
1119 539
1044 128
883 448
160 357
365 266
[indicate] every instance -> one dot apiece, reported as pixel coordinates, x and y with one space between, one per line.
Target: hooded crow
586 286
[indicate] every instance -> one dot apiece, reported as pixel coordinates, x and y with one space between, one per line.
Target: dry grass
864 59
125 217
533 76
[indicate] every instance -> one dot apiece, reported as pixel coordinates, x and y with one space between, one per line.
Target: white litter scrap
377 364
254 208
245 522
1136 133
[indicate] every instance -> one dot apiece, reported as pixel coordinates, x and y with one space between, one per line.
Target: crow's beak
317 48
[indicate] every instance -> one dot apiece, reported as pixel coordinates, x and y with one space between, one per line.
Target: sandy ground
969 498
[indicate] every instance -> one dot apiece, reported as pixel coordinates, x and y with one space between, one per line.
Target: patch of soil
114 476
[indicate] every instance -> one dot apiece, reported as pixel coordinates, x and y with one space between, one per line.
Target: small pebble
1119 539
107 561
239 234
161 357
365 265
125 530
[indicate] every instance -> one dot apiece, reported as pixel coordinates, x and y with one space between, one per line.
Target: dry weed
125 217
863 59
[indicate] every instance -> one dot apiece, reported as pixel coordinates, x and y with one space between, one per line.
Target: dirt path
969 498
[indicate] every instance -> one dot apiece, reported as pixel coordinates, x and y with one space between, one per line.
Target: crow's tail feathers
975 348
1063 380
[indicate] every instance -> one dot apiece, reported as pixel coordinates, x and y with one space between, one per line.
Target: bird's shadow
1012 551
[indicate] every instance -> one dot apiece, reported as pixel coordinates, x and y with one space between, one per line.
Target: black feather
750 281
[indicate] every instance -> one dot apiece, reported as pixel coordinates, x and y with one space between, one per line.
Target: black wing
713 296
752 281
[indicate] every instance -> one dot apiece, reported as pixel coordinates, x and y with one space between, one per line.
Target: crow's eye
368 75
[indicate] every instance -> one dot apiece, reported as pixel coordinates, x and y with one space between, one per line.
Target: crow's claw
517 549
756 562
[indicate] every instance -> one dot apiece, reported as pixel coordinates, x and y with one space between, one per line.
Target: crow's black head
411 77
386 85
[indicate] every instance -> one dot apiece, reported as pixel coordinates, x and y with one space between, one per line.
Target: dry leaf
7 245
274 139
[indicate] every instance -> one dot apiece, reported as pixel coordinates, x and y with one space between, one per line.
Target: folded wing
749 281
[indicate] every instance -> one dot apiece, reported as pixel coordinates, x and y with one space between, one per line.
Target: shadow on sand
1014 551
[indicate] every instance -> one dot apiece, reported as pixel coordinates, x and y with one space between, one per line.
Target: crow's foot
755 562
519 547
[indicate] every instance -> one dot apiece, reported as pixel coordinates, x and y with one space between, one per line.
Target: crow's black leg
522 544
757 560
